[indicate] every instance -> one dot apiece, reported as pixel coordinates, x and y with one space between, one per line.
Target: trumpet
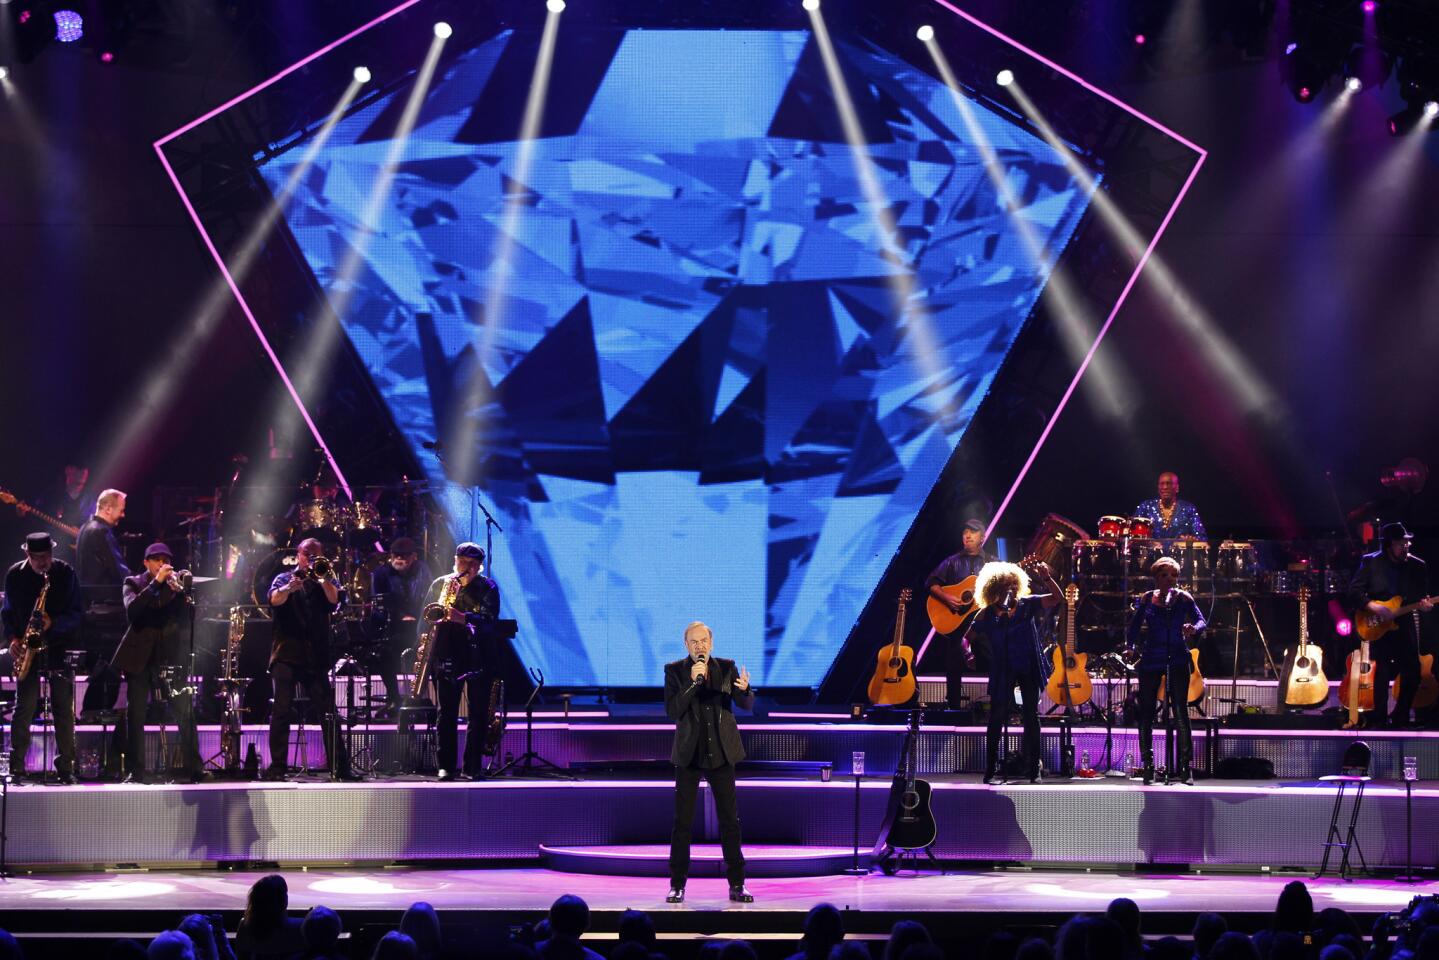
320 569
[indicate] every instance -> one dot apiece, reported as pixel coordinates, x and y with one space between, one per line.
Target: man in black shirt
960 649
398 591
1391 572
98 560
59 620
700 693
461 655
72 499
155 610
302 601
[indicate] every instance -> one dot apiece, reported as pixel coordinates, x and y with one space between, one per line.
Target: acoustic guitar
893 680
1428 690
1195 693
1356 690
1069 684
1304 682
909 822
22 508
945 620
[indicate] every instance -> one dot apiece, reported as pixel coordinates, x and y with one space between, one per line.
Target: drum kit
1118 562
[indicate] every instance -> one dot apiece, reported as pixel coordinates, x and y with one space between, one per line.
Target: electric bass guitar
1069 684
22 508
945 620
1428 690
1304 683
1356 690
1371 628
893 680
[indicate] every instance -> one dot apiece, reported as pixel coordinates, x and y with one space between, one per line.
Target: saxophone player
48 626
302 602
155 608
459 604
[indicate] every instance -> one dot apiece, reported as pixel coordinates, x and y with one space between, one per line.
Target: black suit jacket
154 614
680 699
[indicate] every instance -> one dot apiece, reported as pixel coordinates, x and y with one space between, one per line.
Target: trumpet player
45 629
459 604
302 602
155 609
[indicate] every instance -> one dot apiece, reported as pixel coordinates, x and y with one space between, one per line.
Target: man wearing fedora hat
154 613
397 589
461 657
1392 571
59 619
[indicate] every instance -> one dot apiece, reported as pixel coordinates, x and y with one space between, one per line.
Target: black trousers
448 688
62 708
687 786
1176 680
1000 703
138 687
955 662
322 698
1396 654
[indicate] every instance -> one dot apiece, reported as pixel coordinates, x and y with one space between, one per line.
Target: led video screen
700 380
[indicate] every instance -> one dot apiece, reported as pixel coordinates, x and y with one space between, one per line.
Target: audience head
321 929
922 951
569 916
1234 946
637 927
1287 945
1334 952
903 935
1428 946
395 946
1208 927
1001 945
10 947
197 927
629 950
850 950
122 949
265 908
171 945
1125 912
1350 942
1170 948
1106 940
1295 909
823 928
738 950
1034 949
422 925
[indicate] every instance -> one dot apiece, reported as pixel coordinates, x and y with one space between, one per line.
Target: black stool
1354 768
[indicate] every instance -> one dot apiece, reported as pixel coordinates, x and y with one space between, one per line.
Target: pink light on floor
159 146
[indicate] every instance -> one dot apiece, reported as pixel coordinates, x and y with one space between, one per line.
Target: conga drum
1142 554
1053 542
1236 567
1112 527
1195 572
1139 527
1096 565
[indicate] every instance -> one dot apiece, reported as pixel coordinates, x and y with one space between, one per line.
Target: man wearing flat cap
397 592
58 620
149 653
1392 571
462 655
961 650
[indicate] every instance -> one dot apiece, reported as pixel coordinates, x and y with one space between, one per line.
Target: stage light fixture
362 74
810 5
1290 49
107 57
1431 109
555 6
443 30
1305 94
1369 6
69 26
1353 84
4 73
1004 78
1140 39
925 33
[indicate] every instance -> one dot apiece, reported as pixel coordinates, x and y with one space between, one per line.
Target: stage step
706 860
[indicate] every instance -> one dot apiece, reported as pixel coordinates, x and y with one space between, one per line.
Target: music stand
530 763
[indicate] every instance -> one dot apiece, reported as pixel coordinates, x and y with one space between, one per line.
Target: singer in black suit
1170 621
700 693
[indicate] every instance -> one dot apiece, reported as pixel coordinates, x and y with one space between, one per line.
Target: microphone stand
530 763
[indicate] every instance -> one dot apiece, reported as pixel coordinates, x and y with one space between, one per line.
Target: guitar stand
892 861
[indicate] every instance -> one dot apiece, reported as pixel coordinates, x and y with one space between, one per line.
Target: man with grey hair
98 560
700 694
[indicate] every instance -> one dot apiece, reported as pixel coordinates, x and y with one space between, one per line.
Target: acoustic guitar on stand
893 680
1428 690
1356 690
1305 684
1069 684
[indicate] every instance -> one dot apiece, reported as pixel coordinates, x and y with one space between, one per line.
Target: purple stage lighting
1290 49
69 26
1306 94
1140 39
1369 6
107 57
24 16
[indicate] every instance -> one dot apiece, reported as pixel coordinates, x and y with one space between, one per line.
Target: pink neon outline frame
1033 54
1133 277
159 146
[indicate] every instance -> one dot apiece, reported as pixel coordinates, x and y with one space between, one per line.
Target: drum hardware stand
530 763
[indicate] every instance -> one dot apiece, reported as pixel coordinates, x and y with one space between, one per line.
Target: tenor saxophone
34 641
433 615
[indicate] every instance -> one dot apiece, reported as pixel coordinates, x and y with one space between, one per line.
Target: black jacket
97 555
461 648
22 589
154 615
681 701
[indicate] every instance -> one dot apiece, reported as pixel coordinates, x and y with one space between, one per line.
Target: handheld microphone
1008 605
699 658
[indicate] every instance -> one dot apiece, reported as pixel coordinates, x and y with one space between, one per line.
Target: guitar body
1195 693
1071 673
1428 691
941 617
1304 683
914 826
893 680
1356 690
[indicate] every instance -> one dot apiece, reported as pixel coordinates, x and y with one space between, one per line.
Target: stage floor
531 889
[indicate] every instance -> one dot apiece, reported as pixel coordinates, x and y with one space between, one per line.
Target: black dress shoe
739 894
136 779
1148 775
447 776
1186 777
993 778
676 895
348 776
275 773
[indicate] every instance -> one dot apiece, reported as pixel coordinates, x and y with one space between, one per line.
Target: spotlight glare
1290 49
1344 627
1369 6
555 6
1140 39
810 5
1431 109
1353 84
107 57
362 74
69 26
1004 78
925 33
4 73
1305 94
443 30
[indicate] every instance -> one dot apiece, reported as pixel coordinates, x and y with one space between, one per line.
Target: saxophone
232 691
433 615
495 720
33 643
